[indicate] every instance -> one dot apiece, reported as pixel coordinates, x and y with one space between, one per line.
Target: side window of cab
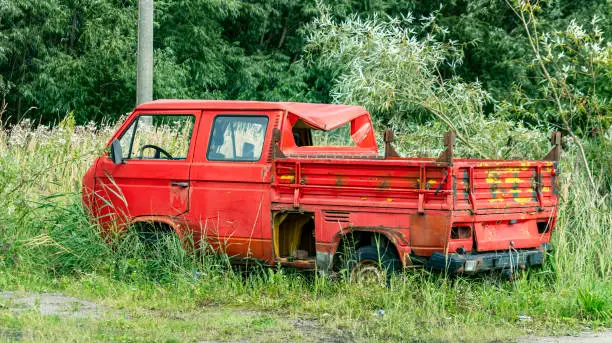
158 137
237 138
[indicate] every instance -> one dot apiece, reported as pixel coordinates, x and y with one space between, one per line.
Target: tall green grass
47 240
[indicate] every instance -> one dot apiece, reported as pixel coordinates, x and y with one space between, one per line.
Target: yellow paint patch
287 177
518 199
492 177
493 180
514 169
545 189
389 199
514 180
364 198
432 182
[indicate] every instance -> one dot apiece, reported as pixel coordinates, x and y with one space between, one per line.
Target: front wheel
371 264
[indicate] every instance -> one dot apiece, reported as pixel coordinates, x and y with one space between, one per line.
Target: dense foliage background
58 56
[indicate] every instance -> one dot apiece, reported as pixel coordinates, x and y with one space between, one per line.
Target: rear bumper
471 263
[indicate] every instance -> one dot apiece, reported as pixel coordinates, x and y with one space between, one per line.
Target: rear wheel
372 264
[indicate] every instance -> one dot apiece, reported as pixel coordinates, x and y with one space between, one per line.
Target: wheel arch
166 223
363 237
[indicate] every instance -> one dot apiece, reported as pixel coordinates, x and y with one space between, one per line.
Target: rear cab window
237 138
316 136
158 137
305 135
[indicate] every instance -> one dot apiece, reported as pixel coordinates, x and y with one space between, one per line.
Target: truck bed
418 185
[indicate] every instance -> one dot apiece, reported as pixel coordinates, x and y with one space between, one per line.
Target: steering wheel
158 151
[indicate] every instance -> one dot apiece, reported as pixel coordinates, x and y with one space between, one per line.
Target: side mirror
116 154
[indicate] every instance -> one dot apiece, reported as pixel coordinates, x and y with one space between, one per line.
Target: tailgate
504 186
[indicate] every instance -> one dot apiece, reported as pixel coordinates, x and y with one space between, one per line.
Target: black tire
371 263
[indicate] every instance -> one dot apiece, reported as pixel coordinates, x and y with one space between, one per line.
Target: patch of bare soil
313 329
310 329
50 304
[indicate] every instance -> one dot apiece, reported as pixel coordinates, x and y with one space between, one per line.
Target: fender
394 237
173 223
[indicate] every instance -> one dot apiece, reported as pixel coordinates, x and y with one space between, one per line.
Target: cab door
231 180
153 180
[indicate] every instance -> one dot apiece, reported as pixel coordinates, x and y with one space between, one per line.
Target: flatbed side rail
420 185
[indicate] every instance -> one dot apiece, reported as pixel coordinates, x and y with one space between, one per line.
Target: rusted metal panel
555 152
429 233
449 143
389 150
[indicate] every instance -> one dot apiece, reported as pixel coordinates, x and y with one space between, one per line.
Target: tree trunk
283 35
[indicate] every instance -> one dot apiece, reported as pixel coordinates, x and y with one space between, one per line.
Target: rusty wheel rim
367 272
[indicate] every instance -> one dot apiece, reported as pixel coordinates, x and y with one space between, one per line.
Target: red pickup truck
304 185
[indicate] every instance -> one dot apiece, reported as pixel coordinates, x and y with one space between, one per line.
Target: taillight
285 174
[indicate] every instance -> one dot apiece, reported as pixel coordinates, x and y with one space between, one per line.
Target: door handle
182 184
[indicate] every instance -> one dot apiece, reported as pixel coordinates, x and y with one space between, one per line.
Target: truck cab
304 185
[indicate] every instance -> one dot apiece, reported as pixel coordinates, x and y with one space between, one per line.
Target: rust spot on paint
339 181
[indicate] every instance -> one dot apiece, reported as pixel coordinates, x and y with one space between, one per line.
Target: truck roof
321 116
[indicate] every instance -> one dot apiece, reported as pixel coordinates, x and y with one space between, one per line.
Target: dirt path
67 307
50 304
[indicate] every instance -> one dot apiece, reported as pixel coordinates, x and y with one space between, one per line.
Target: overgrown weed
49 242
